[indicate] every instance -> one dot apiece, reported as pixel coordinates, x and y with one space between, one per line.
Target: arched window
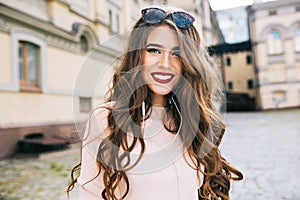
84 44
297 40
274 42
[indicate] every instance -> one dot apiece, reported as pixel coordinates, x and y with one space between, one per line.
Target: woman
157 136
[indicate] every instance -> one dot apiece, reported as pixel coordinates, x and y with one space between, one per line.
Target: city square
60 57
265 146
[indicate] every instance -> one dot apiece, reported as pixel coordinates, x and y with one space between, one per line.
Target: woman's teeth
162 77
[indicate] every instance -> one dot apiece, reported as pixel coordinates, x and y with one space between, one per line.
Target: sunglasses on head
182 19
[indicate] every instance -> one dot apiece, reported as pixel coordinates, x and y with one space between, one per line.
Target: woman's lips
162 77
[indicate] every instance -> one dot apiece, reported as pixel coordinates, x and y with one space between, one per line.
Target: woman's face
161 60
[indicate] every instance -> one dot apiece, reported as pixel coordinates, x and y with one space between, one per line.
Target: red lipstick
162 77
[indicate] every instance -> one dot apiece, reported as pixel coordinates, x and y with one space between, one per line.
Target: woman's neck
159 100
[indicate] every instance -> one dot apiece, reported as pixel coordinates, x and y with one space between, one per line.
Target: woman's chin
160 90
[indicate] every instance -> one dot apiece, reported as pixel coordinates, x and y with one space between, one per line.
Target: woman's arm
90 180
90 185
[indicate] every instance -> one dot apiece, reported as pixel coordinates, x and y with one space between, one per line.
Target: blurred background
45 43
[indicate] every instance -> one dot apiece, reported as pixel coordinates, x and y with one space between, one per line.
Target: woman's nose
164 59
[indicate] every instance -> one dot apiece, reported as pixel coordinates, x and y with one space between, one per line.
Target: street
265 146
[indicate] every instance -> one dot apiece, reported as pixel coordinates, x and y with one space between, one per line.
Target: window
249 59
230 85
85 104
28 62
274 43
228 61
250 84
110 20
297 40
84 45
114 19
29 66
118 22
272 12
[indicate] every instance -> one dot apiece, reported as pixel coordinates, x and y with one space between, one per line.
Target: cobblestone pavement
265 146
38 178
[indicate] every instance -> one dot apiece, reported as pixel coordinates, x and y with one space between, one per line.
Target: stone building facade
275 35
236 63
54 53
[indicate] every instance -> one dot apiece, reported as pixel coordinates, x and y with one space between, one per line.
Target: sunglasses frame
171 14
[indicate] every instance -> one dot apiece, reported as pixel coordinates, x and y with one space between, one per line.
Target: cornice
13 15
64 2
4 27
14 21
11 19
274 4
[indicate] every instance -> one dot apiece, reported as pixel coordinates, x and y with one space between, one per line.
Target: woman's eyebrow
153 44
161 46
176 48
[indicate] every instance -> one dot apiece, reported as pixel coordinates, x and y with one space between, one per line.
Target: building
236 63
44 46
275 35
54 55
235 59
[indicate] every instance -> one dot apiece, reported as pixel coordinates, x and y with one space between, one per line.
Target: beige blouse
162 173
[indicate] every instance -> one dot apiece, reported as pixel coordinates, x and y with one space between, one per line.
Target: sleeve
91 185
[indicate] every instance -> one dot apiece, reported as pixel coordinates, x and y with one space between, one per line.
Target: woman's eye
176 53
153 50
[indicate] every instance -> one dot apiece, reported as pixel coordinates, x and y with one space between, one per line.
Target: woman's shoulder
102 109
100 113
97 124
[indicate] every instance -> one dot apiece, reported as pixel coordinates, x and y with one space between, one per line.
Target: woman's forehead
163 35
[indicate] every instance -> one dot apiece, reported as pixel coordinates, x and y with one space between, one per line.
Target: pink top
162 173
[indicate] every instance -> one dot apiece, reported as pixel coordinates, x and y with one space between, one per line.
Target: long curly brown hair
201 129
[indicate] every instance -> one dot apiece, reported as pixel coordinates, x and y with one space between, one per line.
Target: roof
225 48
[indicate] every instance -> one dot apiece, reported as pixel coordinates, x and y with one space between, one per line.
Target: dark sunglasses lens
153 15
182 20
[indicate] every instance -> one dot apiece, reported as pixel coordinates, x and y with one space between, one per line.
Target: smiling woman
158 134
162 65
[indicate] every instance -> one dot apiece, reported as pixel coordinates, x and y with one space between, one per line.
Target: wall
278 74
239 72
